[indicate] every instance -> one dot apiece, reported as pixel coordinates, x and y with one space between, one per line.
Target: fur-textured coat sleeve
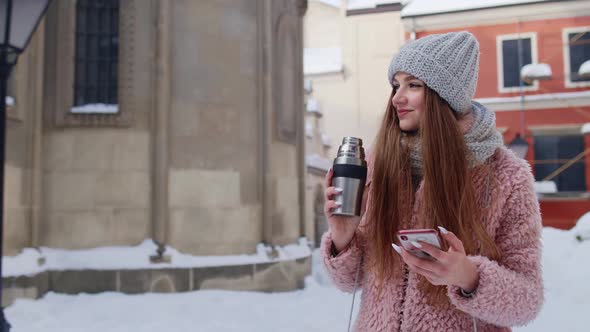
510 291
342 268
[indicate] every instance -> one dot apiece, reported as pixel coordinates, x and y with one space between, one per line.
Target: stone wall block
279 276
70 190
131 151
134 281
16 230
13 187
170 281
83 281
58 151
191 188
92 150
128 189
130 225
77 229
235 277
199 231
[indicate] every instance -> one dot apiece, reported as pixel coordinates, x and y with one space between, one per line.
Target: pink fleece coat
510 290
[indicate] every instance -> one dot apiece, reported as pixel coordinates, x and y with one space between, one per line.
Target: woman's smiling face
408 100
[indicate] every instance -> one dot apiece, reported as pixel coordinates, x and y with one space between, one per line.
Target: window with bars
515 54
97 50
552 152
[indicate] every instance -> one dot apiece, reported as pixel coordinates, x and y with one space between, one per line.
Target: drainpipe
264 104
521 83
160 213
300 137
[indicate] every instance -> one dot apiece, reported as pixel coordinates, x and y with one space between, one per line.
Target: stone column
284 179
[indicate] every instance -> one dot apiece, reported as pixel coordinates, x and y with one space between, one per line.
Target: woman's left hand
449 267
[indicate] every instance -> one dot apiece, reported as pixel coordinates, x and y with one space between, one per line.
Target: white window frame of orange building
566 56
500 60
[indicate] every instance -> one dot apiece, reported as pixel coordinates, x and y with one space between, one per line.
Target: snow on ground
318 307
135 257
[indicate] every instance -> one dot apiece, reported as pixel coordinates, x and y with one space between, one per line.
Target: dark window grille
97 50
552 152
579 44
516 53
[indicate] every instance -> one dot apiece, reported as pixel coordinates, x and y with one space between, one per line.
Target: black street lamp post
18 20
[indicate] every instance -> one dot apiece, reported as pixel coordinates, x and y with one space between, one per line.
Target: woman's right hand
341 227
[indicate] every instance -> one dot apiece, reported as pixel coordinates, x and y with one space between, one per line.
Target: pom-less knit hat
448 63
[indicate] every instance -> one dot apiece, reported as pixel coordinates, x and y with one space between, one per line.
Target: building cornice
393 7
538 101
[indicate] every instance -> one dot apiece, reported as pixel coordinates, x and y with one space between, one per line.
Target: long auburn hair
448 192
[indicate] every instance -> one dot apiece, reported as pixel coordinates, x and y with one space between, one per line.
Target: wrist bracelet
465 293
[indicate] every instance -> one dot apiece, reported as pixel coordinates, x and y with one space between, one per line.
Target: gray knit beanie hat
448 63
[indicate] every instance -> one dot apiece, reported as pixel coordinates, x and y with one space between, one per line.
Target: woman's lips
402 113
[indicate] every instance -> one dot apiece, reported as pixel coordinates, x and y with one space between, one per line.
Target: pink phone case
429 236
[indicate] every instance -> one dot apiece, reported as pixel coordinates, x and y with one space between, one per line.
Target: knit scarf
480 134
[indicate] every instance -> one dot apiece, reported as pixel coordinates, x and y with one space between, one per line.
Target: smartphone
429 236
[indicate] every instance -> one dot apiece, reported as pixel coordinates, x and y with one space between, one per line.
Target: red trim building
548 111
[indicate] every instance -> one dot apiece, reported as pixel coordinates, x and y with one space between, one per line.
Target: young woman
438 162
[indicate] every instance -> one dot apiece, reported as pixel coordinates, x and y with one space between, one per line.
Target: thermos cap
351 151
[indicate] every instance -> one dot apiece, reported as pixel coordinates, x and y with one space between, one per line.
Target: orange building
547 103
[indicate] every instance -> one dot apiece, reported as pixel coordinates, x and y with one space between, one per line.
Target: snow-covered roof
536 71
333 3
584 68
95 108
316 161
366 4
430 7
322 60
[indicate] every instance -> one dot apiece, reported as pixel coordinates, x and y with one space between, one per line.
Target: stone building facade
203 149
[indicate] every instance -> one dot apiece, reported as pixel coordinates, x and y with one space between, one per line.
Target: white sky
422 7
